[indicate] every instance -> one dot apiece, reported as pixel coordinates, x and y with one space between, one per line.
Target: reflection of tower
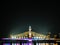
30 31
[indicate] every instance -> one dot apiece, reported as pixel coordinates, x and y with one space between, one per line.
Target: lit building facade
29 34
31 37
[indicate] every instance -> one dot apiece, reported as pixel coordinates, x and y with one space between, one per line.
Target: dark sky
16 16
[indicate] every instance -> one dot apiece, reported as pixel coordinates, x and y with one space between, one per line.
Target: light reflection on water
28 44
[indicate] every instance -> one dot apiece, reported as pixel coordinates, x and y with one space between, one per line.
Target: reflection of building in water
34 36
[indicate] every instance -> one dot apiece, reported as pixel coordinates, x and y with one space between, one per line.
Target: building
33 38
29 34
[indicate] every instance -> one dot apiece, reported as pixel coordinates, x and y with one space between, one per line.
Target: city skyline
16 17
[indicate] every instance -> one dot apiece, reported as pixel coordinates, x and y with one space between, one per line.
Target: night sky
16 16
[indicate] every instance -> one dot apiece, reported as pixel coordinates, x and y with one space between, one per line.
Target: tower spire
30 31
30 28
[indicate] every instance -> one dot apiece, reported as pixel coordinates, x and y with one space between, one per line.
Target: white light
37 37
14 37
13 43
34 37
41 37
22 37
30 44
30 40
29 28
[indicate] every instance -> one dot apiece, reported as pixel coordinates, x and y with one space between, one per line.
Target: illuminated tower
30 31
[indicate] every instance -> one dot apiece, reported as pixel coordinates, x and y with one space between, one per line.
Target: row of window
27 37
